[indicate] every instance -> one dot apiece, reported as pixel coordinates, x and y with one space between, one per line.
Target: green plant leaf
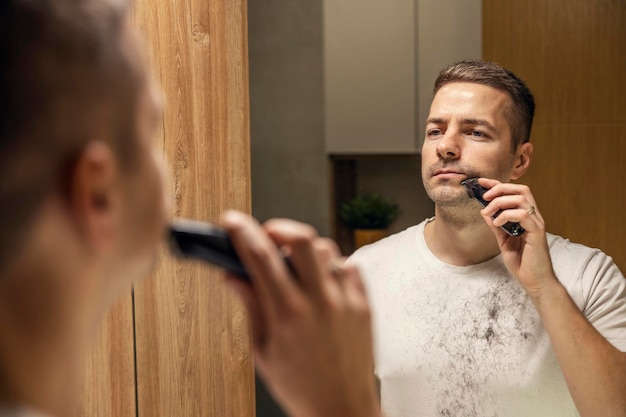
369 211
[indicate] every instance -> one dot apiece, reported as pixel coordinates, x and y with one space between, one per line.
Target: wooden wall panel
572 54
109 388
191 336
191 354
579 180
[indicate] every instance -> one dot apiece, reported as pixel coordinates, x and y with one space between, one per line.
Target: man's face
467 135
147 206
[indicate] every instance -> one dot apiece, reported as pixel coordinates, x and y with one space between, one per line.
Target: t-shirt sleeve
604 288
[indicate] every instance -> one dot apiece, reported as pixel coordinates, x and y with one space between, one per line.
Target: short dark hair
520 116
65 79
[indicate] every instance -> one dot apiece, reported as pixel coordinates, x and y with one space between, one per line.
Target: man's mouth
449 173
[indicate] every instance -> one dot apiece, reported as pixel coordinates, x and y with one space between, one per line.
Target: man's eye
434 132
477 134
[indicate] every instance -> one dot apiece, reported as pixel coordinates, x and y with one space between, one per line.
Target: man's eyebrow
479 122
436 120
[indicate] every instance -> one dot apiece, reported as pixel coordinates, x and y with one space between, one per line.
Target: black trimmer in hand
205 242
476 191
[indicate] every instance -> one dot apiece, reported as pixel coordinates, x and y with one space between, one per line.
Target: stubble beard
447 194
453 204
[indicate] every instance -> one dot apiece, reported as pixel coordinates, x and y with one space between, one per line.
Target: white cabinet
381 58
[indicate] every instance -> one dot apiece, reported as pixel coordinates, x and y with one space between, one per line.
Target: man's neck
42 336
459 240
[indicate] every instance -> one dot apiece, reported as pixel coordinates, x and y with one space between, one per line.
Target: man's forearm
595 371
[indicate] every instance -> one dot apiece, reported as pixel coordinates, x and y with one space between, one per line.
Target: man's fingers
353 288
308 253
512 203
268 272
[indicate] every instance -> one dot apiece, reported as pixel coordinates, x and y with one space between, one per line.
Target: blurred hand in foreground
310 320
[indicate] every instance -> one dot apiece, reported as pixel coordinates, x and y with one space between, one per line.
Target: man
83 209
470 321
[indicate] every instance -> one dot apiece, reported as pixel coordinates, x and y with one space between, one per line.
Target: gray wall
289 165
399 179
290 171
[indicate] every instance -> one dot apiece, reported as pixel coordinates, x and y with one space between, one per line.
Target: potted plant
369 215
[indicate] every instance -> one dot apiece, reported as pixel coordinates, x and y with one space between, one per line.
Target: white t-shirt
467 341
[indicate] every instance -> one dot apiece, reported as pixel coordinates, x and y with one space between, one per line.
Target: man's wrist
548 295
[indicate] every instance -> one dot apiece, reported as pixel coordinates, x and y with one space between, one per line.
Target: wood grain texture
192 345
572 54
191 336
109 388
577 179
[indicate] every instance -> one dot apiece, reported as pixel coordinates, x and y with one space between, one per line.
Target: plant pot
364 237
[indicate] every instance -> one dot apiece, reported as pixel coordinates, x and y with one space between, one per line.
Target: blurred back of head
68 75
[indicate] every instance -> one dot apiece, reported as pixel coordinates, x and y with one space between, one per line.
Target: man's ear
92 193
523 156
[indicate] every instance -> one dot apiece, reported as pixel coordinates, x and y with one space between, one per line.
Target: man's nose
449 146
